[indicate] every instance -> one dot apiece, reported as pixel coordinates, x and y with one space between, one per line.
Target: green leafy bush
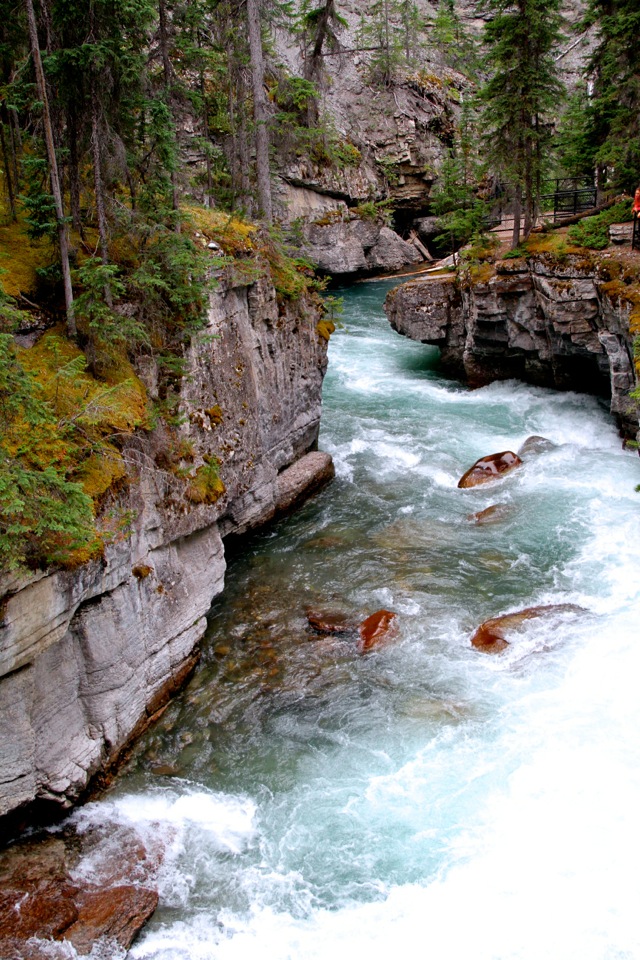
593 232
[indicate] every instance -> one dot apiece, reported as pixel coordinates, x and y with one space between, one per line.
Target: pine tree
614 111
54 174
521 97
260 111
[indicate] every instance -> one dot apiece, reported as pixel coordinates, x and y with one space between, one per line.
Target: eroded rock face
378 629
490 636
357 246
548 324
489 468
88 657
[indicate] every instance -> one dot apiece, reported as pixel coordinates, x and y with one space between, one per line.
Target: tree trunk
97 175
260 113
74 169
243 147
387 45
63 238
7 173
529 191
16 143
517 214
313 61
167 71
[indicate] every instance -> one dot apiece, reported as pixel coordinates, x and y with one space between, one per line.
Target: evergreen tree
456 196
260 111
521 97
613 115
455 48
52 159
392 28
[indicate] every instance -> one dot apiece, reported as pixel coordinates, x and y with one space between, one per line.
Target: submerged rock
303 478
381 627
43 900
330 621
493 514
489 468
534 445
490 636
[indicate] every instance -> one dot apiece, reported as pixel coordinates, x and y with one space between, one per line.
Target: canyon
88 657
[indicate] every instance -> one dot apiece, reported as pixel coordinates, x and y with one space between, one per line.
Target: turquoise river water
424 800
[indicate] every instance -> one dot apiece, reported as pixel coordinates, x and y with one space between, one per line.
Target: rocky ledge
562 325
89 656
357 247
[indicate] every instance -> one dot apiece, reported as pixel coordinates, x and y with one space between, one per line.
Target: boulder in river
493 514
381 627
489 468
534 445
330 621
117 913
42 899
490 636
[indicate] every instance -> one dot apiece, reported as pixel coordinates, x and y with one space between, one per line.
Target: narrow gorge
90 656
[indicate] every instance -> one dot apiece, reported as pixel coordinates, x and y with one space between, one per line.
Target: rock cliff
88 656
357 247
562 325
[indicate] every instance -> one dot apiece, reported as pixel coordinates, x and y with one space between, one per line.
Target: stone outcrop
378 629
489 468
490 636
357 246
88 657
44 899
551 324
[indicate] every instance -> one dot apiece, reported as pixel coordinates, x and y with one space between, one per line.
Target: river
424 799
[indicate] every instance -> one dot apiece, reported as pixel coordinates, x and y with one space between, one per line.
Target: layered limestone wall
88 656
548 324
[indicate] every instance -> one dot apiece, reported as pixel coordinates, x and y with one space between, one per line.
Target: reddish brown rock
490 468
40 903
330 621
381 627
42 910
490 636
116 913
493 514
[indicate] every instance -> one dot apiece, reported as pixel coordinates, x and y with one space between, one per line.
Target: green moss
21 258
206 486
325 328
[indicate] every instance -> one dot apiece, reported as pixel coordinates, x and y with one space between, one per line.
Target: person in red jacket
635 240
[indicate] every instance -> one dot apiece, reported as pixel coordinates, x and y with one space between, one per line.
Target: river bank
305 800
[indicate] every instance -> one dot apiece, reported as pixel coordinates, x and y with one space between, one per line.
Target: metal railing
571 195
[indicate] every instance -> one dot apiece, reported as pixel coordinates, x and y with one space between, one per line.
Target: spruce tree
613 115
521 97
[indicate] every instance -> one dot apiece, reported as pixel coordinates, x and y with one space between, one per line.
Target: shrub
593 232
